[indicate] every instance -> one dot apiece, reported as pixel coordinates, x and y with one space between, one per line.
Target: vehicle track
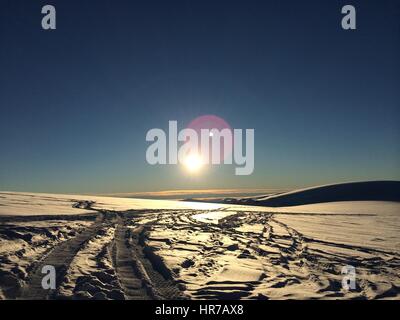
139 266
60 258
131 274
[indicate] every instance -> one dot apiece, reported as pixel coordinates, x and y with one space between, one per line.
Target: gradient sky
76 102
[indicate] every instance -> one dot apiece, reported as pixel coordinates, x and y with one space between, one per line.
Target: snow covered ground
19 203
116 248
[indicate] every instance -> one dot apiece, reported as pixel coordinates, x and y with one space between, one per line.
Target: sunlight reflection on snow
212 217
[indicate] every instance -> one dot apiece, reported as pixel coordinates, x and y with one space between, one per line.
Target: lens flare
211 122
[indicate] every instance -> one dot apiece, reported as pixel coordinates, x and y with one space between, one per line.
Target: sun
193 163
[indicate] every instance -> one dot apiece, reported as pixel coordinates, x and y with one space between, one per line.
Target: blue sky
76 102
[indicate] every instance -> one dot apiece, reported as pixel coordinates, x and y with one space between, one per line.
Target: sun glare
193 163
